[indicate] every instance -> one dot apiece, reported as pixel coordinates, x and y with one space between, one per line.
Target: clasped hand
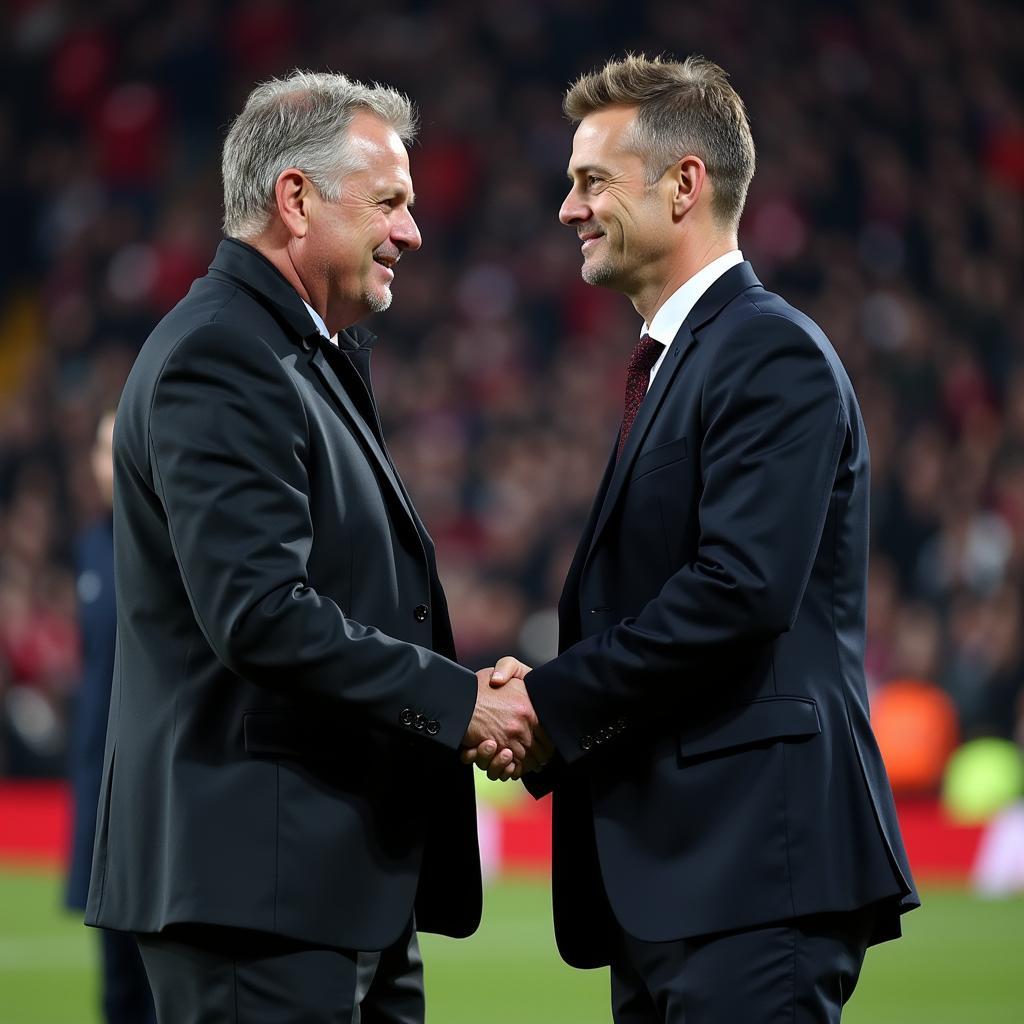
504 737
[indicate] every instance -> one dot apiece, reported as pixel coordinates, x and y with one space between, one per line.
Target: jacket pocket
763 721
658 458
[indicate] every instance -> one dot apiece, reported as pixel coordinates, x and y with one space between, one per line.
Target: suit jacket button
406 716
433 727
420 613
307 345
586 743
420 722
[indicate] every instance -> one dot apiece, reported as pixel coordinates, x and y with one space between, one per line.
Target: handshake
504 737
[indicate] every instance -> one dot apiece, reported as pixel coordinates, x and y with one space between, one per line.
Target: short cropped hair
683 108
300 121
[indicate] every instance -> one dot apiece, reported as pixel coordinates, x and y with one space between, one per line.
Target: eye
392 202
594 180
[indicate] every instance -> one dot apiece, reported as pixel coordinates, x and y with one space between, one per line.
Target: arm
775 424
229 456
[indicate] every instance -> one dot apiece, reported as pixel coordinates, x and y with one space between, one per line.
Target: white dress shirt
319 321
667 321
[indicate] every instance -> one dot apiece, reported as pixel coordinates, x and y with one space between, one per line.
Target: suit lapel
247 268
721 292
362 429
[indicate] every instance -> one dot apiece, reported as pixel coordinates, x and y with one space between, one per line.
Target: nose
404 232
572 210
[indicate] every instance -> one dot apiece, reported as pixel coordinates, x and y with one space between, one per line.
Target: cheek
374 230
618 218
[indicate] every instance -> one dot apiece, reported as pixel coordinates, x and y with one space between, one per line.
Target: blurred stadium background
887 204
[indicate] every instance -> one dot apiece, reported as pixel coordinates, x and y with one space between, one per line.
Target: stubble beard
378 301
600 273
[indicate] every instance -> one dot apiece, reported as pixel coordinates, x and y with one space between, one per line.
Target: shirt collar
319 321
677 307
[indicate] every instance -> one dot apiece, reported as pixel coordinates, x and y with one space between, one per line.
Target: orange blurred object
915 724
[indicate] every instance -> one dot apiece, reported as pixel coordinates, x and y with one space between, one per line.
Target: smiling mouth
387 262
588 238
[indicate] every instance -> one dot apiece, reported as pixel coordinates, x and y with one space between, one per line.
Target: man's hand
499 759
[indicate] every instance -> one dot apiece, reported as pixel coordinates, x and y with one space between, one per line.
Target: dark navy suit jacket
716 767
97 618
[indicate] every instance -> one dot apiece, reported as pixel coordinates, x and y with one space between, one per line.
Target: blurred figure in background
125 989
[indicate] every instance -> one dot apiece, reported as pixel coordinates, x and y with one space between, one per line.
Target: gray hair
300 121
683 108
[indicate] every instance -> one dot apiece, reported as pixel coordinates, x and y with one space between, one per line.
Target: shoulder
219 379
215 320
218 339
760 326
758 310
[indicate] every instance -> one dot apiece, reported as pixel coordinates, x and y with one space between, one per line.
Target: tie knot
645 355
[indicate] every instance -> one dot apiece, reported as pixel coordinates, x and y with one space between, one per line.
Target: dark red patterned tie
638 376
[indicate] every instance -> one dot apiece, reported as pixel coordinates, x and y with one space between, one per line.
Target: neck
688 262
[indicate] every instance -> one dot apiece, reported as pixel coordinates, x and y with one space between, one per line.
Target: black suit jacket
716 765
286 708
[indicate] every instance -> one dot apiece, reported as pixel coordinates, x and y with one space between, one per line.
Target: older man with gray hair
282 803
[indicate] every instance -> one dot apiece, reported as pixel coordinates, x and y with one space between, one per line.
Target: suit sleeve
774 426
228 450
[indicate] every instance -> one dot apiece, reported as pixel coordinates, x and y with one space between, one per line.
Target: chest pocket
661 457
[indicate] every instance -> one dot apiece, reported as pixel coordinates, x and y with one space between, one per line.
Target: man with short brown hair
724 833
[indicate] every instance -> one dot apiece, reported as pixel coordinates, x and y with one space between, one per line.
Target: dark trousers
205 975
798 972
126 995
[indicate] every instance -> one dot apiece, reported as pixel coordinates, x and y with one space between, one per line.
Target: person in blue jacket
125 988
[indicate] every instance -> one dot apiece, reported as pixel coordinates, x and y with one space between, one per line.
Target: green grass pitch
960 960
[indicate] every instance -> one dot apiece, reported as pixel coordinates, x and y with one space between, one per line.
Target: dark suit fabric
126 998
801 971
286 707
716 769
211 976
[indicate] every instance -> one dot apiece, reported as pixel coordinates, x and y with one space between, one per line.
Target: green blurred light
982 778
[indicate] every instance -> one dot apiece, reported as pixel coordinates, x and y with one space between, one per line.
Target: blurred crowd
887 205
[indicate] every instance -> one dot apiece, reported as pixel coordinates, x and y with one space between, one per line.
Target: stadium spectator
889 205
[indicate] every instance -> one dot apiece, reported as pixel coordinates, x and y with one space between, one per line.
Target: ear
293 192
688 180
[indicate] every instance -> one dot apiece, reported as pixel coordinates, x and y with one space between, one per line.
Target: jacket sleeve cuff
572 735
442 710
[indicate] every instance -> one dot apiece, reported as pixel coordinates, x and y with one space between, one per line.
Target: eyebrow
585 170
